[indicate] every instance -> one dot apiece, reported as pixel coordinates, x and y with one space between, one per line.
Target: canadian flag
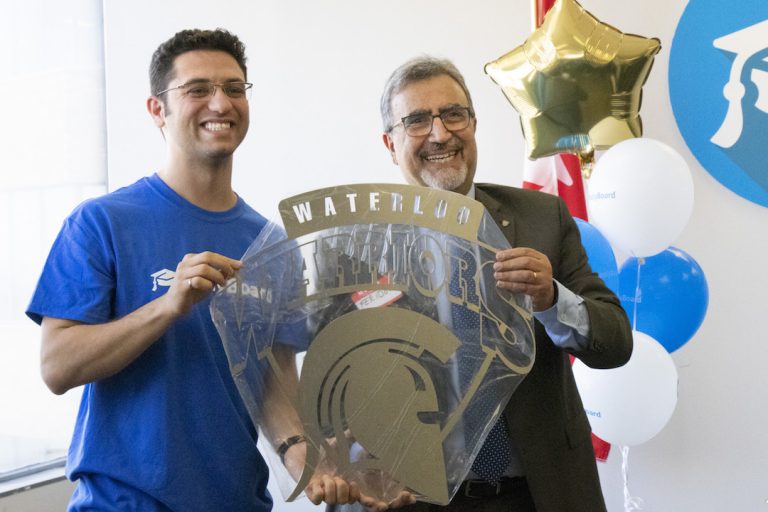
560 175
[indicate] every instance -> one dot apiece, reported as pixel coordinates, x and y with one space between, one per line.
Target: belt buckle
468 488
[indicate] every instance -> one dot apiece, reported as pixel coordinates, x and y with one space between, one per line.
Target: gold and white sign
409 349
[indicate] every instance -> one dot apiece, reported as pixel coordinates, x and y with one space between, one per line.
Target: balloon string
640 263
630 503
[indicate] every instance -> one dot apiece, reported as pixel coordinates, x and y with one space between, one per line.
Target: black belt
485 489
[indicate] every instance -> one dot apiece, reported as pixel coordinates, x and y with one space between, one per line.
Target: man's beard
448 179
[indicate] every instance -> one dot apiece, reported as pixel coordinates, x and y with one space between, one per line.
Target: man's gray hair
416 70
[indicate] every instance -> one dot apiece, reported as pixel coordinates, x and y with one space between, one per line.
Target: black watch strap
285 445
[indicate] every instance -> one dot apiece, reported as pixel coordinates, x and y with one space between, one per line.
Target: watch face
718 85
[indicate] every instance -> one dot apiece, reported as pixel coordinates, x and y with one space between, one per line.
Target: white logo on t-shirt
163 278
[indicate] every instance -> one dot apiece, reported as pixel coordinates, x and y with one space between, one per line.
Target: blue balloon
667 299
600 254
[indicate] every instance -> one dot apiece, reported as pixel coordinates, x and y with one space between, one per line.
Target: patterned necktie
495 455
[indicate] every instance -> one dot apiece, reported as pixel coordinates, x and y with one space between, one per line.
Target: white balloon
631 404
640 196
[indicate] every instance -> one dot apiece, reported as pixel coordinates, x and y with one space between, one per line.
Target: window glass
53 157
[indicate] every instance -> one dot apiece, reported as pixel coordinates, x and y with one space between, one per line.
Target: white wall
319 68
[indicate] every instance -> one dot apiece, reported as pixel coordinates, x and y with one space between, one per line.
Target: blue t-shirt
171 426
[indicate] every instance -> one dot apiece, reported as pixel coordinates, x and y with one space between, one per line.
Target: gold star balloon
576 83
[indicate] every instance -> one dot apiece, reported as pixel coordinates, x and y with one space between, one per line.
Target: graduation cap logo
718 90
163 278
745 44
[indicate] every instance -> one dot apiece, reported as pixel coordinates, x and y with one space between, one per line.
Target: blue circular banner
718 86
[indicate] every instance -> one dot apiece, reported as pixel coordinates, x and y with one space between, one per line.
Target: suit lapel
502 214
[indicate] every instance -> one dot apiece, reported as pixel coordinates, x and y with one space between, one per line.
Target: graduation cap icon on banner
745 44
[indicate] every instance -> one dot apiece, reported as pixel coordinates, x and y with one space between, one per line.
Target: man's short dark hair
161 66
416 70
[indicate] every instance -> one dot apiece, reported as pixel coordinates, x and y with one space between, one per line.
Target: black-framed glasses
420 124
200 90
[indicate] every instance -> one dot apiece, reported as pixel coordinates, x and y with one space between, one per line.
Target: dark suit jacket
546 418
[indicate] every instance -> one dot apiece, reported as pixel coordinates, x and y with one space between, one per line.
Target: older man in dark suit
429 130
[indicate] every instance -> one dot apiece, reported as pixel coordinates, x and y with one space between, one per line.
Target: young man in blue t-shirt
123 304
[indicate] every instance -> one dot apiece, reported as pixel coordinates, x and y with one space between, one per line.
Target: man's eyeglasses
203 90
453 118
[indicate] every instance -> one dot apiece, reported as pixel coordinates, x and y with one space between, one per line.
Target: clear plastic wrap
386 344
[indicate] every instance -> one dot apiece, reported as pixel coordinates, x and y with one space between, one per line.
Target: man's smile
217 126
441 155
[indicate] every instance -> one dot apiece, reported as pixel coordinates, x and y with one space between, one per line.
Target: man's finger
329 489
342 490
315 492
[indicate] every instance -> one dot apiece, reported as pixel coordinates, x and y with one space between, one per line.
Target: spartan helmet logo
389 408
